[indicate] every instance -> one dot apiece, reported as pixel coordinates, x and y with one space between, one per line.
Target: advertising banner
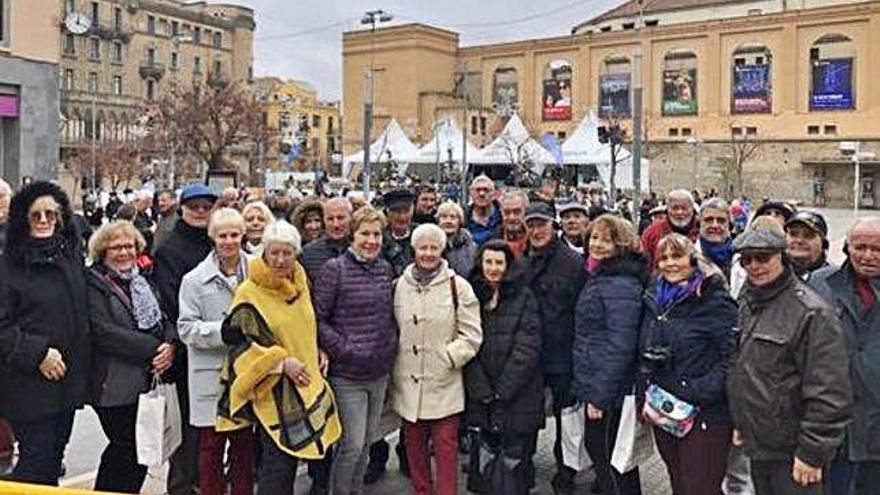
832 84
557 92
505 91
751 89
614 95
680 92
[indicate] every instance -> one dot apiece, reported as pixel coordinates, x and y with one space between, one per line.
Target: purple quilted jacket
355 308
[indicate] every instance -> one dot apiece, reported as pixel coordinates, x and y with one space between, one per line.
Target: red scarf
866 293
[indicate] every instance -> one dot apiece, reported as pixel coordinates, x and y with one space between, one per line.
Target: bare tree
742 149
115 161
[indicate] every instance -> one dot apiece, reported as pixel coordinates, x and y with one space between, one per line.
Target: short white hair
429 232
260 206
681 194
450 206
717 204
482 178
282 232
225 217
516 194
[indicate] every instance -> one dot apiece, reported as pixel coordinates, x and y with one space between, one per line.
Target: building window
69 6
316 121
175 60
673 132
679 84
561 135
69 79
151 89
93 82
175 28
197 65
833 64
95 48
751 87
751 131
151 56
151 24
483 126
117 18
117 85
329 125
614 87
69 44
218 67
250 73
95 14
474 125
736 131
830 129
197 35
218 39
813 130
686 131
117 52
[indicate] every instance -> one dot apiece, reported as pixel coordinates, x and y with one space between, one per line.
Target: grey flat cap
762 235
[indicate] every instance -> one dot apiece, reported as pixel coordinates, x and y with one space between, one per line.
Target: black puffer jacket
42 305
317 252
789 386
504 387
121 354
398 252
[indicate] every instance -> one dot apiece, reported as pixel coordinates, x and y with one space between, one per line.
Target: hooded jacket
43 304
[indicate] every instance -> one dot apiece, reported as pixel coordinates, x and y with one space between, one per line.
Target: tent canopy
583 146
447 138
515 144
392 144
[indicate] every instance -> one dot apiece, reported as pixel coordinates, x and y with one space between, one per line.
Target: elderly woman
44 329
256 216
308 218
686 344
353 300
460 245
205 298
130 343
439 319
606 341
505 395
274 372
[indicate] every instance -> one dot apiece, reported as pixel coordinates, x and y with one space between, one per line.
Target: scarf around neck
720 253
144 306
424 277
667 294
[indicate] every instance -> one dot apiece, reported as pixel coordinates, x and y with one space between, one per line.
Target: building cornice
185 12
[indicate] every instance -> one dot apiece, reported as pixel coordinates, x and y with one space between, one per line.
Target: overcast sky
302 39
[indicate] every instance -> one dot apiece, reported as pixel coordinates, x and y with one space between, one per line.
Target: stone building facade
794 79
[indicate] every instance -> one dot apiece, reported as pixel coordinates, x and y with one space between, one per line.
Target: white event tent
583 148
447 138
515 144
392 144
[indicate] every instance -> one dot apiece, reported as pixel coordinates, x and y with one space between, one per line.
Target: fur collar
630 264
290 289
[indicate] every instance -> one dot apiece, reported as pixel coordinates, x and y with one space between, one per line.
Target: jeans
443 437
774 478
697 462
41 447
852 478
360 408
183 469
601 435
278 469
212 446
119 470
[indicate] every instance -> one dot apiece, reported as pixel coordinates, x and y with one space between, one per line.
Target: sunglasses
761 258
38 215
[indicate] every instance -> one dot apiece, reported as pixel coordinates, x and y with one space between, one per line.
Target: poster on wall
832 84
505 91
751 89
557 91
614 95
680 92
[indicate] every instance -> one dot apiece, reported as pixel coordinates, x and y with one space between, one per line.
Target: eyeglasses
38 215
761 258
123 247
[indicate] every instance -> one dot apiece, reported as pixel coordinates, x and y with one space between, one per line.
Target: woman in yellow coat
274 374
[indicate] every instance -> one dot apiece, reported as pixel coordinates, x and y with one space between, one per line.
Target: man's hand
52 367
296 371
737 438
163 359
323 362
804 474
594 413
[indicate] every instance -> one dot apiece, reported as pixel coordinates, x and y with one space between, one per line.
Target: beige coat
427 381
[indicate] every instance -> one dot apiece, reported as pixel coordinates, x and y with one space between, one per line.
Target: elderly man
807 236
556 276
166 201
854 291
513 226
680 218
575 220
715 242
396 247
334 242
484 215
789 388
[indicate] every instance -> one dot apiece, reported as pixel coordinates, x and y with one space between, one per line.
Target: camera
655 358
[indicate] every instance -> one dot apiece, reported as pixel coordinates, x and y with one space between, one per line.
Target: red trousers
443 436
212 445
696 463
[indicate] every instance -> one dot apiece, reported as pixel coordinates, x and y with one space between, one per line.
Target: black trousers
41 447
277 469
119 470
601 436
560 391
774 478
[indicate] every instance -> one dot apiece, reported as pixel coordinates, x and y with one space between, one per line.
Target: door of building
867 199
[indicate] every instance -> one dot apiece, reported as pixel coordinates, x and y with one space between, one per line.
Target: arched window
505 91
751 88
679 83
832 61
614 87
556 102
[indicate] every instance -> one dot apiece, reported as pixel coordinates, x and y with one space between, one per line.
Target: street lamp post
637 118
371 18
172 159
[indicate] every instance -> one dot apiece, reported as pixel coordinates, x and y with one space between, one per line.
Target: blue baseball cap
195 191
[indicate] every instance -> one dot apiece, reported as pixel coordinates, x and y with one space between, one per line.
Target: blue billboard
832 84
751 89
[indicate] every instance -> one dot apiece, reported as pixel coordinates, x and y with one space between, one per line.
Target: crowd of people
308 330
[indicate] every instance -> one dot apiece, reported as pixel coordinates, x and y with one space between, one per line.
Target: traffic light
611 134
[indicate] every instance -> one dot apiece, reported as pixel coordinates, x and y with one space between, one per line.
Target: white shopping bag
635 440
574 446
158 432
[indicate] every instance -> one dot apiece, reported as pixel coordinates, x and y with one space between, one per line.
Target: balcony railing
152 70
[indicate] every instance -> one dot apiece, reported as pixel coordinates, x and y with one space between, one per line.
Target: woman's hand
296 371
52 367
323 362
594 413
163 359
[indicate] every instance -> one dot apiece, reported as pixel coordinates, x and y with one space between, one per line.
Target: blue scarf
720 253
666 294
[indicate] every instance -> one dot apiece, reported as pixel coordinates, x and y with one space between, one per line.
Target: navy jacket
606 338
700 332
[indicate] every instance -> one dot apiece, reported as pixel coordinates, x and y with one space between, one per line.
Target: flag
552 144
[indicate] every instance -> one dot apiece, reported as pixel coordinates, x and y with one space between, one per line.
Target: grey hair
223 217
282 232
715 204
450 206
516 193
430 232
345 203
872 220
482 178
680 194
